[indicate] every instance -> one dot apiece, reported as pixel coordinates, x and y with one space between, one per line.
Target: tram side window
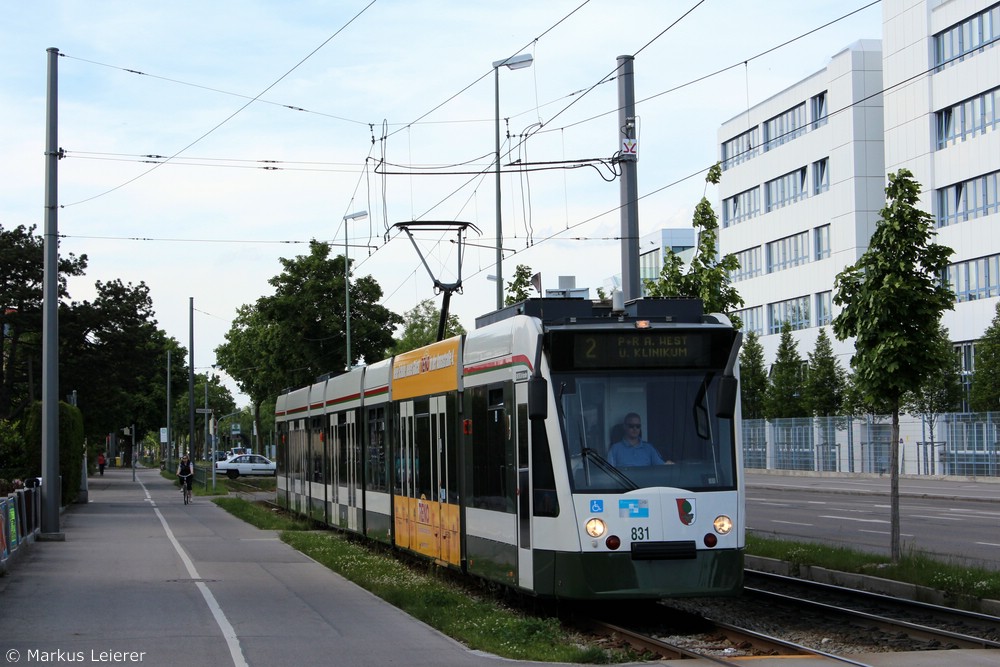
342 448
422 445
377 466
316 445
491 488
282 448
543 478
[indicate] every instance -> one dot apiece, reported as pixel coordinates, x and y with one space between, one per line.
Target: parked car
246 464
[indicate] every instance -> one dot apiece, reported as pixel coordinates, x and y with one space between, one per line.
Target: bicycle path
143 579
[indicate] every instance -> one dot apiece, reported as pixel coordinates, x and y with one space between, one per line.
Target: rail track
935 625
717 642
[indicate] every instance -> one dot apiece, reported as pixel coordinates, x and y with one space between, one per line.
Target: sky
281 118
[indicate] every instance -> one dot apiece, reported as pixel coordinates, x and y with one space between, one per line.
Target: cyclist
185 470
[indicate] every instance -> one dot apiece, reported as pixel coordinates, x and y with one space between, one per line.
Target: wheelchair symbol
596 506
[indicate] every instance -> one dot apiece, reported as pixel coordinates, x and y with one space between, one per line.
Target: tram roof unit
563 310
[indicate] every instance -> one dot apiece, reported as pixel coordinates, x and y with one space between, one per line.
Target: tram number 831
640 533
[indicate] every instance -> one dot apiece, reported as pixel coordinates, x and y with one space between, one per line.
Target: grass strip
913 567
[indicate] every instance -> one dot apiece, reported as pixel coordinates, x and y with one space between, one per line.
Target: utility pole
628 156
51 488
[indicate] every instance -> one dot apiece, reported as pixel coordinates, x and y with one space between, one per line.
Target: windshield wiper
611 471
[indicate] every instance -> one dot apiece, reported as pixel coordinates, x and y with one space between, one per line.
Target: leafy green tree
21 274
420 327
984 395
825 383
299 333
70 441
753 377
114 356
892 302
784 391
938 392
519 288
252 356
308 305
708 277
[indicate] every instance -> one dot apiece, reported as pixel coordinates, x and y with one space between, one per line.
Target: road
951 520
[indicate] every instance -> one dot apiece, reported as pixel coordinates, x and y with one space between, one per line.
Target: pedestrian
101 462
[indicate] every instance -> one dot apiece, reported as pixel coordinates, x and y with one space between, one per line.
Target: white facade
942 77
802 186
925 98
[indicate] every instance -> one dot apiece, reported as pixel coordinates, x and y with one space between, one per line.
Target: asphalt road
952 520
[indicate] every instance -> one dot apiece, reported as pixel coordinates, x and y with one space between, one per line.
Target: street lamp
514 62
347 295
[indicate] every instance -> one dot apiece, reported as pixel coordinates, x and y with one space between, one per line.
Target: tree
21 275
299 333
309 310
708 277
938 392
984 395
753 377
420 327
114 355
826 381
892 300
520 287
784 392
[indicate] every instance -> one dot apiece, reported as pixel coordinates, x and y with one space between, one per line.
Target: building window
788 252
793 311
785 189
753 319
819 111
821 175
740 149
974 279
750 267
741 207
974 198
963 39
821 237
967 119
824 308
783 128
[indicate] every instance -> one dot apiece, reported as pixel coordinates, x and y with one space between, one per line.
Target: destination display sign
640 349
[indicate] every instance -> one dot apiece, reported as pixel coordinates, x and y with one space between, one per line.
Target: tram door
446 475
352 452
525 563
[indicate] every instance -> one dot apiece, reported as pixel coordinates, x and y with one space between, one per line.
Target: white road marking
235 650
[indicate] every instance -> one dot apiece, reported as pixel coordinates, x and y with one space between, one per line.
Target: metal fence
963 444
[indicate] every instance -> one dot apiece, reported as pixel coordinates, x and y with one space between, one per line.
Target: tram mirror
538 398
726 398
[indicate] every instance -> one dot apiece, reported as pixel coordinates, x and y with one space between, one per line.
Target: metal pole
496 100
51 487
629 187
170 441
347 299
134 457
191 378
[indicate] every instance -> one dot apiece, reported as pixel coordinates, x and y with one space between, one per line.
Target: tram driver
632 450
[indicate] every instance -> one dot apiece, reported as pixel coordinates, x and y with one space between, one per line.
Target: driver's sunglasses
634 425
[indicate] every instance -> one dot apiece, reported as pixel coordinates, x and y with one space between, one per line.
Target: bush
71 439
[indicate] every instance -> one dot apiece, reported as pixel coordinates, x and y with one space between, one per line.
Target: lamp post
514 62
347 294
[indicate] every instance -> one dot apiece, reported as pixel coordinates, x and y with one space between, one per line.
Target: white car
246 464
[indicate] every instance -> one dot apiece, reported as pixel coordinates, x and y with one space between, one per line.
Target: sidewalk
141 578
914 486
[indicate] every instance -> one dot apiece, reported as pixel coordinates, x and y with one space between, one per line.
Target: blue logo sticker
633 508
596 506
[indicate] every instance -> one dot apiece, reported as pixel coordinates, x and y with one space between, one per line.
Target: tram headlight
596 527
723 524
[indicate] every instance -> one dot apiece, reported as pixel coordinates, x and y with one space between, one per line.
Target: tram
489 453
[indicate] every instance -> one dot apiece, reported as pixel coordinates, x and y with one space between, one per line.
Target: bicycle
185 489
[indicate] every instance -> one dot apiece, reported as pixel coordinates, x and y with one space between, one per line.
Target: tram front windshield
640 429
